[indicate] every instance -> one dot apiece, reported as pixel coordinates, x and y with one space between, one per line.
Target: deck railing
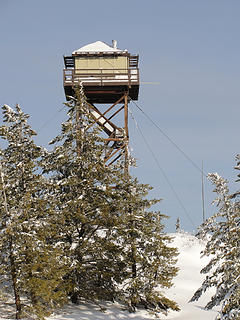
101 77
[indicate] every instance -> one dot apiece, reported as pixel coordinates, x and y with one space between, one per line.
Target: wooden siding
89 65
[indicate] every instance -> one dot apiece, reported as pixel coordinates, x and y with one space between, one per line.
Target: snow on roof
97 46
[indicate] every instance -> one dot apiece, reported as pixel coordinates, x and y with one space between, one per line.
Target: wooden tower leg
126 136
118 137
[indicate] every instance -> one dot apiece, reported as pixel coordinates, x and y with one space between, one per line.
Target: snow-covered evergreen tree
149 261
177 225
115 246
85 194
29 262
238 165
223 246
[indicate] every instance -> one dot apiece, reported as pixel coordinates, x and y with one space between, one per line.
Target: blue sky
190 47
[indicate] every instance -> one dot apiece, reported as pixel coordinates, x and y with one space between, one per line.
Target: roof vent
114 44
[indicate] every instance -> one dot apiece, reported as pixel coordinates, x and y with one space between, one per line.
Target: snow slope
189 279
185 284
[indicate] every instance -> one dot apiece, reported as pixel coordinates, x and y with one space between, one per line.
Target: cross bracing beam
116 142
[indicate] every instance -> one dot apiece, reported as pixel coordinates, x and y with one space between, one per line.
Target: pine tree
238 165
85 194
223 270
149 263
115 246
29 261
178 229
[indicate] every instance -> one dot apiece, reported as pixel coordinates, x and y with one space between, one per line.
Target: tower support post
126 165
116 143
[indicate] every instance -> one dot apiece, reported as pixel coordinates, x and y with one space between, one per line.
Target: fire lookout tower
109 76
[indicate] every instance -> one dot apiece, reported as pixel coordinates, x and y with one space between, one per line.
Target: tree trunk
14 283
133 248
134 265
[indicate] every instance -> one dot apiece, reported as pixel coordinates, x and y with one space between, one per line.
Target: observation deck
105 72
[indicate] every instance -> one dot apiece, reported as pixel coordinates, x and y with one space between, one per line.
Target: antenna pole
203 205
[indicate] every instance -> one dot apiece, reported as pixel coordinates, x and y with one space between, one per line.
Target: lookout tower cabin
108 76
105 72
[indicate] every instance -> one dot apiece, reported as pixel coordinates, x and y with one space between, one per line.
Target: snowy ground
185 284
189 280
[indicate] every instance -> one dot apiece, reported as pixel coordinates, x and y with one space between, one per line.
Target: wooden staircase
115 134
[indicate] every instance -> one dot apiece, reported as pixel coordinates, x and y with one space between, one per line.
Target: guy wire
162 171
